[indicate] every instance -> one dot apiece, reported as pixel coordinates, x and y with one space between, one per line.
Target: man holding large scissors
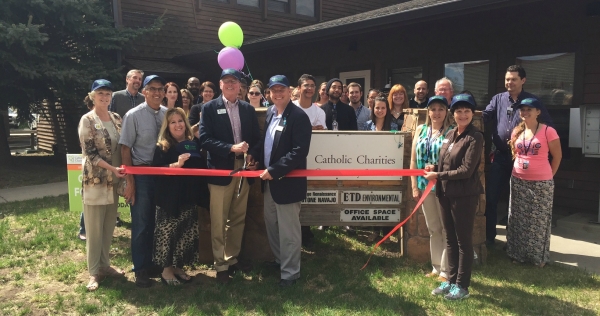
228 130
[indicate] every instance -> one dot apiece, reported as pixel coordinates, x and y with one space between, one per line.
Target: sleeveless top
427 150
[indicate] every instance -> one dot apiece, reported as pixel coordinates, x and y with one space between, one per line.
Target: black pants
496 181
458 216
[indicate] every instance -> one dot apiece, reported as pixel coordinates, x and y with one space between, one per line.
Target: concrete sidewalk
33 192
574 242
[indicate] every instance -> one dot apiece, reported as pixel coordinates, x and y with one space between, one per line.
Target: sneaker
443 289
456 293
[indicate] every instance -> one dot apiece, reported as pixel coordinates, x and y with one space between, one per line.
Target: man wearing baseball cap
228 130
139 134
285 146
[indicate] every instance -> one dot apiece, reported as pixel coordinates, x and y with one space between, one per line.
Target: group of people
157 130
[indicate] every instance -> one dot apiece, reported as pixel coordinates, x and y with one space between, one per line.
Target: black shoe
119 222
348 229
142 279
239 266
223 277
286 283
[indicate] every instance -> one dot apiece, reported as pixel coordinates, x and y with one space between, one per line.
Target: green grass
43 271
32 169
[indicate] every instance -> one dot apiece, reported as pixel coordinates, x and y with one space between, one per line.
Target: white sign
74 159
356 150
321 197
370 215
371 197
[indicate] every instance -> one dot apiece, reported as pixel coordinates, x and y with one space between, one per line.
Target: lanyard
429 141
530 140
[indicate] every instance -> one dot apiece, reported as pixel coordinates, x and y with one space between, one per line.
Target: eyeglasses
185 98
309 86
154 90
230 81
254 93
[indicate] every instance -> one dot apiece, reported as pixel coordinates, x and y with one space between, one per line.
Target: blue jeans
81 225
498 178
142 222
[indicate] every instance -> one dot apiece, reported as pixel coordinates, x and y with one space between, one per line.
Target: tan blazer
95 143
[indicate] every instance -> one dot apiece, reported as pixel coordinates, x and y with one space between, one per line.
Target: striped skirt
529 220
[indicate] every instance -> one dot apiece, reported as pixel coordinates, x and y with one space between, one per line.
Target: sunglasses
254 93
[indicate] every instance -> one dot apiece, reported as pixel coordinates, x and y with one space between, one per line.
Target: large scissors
241 178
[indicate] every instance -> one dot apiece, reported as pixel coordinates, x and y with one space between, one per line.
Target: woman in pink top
531 186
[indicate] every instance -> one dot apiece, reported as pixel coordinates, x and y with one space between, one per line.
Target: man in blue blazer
285 146
228 130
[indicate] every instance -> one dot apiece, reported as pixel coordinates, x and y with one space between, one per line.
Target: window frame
263 8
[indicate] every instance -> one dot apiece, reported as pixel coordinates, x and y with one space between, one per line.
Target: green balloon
230 34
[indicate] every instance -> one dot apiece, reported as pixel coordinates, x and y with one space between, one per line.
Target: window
407 77
550 77
472 76
251 3
278 5
305 7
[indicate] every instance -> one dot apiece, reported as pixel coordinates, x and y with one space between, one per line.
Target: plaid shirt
132 98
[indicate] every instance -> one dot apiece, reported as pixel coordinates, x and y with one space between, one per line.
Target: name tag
221 111
445 140
279 128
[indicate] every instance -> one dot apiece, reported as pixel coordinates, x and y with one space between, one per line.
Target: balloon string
249 73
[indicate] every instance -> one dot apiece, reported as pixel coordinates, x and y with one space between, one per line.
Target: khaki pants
437 234
100 223
227 220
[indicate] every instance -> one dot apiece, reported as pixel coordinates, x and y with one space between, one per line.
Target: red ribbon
425 193
298 173
163 171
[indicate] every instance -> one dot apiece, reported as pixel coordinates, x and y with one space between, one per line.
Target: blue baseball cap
463 99
279 80
188 146
231 72
101 83
153 77
438 99
530 102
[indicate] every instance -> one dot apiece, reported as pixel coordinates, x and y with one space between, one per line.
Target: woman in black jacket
458 191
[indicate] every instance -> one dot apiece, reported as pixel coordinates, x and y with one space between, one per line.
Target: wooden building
470 41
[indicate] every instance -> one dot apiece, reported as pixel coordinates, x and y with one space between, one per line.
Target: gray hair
437 83
133 71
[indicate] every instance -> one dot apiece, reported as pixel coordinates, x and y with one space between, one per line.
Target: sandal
182 276
93 284
169 281
112 272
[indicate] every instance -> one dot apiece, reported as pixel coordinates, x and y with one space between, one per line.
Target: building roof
412 11
162 67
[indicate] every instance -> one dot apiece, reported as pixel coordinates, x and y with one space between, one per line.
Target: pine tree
52 50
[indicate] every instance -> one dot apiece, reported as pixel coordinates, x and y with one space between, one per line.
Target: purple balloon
231 57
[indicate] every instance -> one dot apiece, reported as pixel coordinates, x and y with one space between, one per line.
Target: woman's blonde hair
395 89
519 129
89 98
446 119
165 139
